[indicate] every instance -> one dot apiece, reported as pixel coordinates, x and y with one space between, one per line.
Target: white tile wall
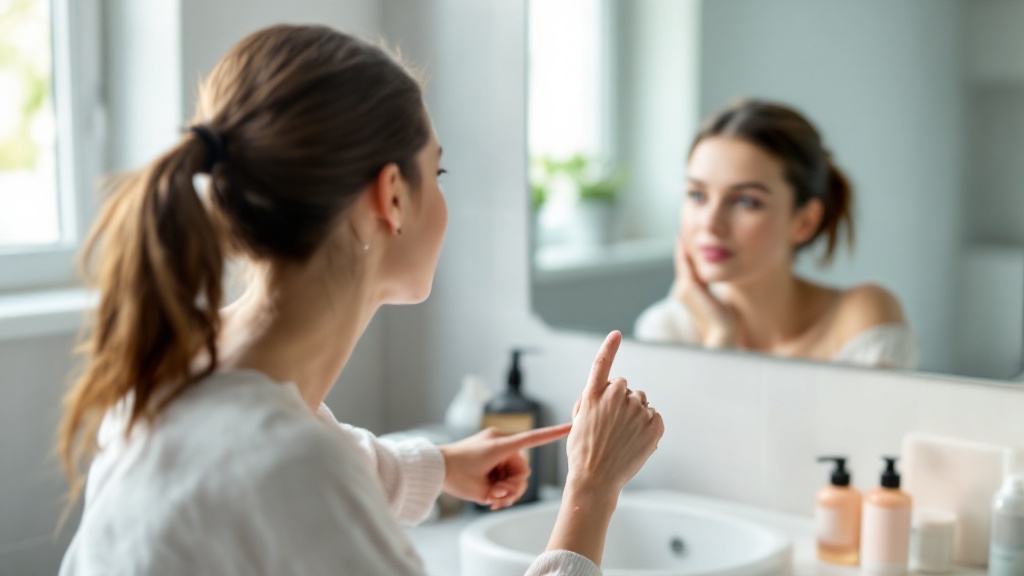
32 377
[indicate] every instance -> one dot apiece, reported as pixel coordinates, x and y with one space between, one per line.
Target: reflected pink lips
715 254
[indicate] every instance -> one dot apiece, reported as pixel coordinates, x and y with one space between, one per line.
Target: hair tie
215 151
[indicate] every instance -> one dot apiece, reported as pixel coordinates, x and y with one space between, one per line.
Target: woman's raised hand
614 429
715 320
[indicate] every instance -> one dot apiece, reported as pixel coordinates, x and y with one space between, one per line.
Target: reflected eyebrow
740 186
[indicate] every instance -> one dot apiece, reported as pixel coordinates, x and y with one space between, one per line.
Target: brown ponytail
789 136
160 276
838 213
308 117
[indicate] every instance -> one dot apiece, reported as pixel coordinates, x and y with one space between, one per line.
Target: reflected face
737 218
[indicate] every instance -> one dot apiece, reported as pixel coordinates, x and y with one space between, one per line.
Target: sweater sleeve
410 471
562 563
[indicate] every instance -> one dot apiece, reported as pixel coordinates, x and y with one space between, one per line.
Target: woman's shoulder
238 460
870 329
263 424
865 306
227 426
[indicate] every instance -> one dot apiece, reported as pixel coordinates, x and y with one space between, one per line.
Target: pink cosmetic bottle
837 517
885 532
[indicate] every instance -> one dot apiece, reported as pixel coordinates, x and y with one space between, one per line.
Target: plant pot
590 223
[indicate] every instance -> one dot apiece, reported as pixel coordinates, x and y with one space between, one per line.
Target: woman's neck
772 309
296 325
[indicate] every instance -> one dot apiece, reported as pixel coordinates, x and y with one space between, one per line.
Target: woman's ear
389 197
807 221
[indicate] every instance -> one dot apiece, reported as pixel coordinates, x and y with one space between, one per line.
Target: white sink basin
647 537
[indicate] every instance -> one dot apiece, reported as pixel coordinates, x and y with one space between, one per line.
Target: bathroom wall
739 427
996 78
33 373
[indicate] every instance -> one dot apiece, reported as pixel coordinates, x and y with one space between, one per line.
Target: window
51 136
569 74
571 121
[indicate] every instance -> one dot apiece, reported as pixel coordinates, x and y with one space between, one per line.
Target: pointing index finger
536 437
603 362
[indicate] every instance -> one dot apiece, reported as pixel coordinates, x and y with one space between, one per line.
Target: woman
215 453
760 188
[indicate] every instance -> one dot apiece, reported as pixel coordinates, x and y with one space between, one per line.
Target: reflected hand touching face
716 319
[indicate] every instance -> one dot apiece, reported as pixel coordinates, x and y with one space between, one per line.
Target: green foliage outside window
25 63
596 181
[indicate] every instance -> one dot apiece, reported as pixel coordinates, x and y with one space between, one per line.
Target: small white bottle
464 415
1006 548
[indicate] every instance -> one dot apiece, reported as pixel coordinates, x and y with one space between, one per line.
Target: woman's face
738 217
423 232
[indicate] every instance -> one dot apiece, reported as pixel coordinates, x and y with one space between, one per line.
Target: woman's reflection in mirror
760 188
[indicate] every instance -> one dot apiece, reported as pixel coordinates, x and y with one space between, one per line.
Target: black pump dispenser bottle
840 476
511 411
890 477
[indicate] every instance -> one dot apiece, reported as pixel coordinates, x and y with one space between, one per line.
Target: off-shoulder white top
885 345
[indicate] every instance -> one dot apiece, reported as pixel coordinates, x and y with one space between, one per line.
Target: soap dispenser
885 542
511 411
837 517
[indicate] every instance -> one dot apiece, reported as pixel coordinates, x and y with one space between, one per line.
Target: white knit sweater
237 477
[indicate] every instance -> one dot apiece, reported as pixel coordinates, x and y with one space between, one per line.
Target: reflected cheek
760 237
689 224
689 236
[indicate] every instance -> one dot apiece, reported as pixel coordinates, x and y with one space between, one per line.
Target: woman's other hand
491 467
715 320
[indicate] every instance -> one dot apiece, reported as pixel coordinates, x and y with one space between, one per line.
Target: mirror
920 104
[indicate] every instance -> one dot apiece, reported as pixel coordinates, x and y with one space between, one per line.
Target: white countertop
438 542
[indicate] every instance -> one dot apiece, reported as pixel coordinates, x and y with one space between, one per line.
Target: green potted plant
585 189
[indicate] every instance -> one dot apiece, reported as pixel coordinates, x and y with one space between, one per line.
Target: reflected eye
696 196
441 172
749 202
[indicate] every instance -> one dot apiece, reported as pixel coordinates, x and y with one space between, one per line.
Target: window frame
79 102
